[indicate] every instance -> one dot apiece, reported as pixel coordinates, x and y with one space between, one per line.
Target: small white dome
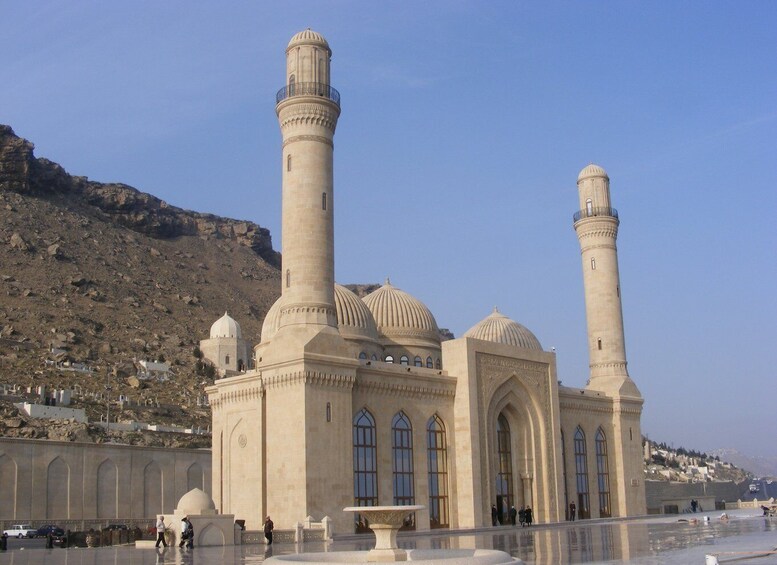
308 37
498 328
196 502
225 326
592 171
400 315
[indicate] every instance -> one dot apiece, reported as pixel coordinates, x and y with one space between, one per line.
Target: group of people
525 516
187 533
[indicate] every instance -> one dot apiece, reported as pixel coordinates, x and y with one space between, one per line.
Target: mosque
358 402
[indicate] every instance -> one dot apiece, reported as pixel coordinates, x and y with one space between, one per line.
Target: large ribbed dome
271 321
498 328
397 314
592 171
353 317
225 326
308 36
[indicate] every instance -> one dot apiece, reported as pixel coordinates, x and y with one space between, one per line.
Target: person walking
521 516
268 528
189 533
529 516
160 531
184 531
572 511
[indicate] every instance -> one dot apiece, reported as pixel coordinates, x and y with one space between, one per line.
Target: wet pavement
665 540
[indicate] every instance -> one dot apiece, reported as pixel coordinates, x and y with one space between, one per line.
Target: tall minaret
308 109
596 224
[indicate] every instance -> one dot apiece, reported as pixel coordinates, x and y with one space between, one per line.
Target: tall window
292 80
581 474
429 362
418 362
589 207
504 479
437 455
288 162
365 464
323 200
603 475
402 463
288 278
564 472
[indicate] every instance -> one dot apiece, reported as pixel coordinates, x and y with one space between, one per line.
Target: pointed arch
107 490
402 459
437 464
57 489
152 490
209 536
603 474
8 472
195 477
365 464
581 474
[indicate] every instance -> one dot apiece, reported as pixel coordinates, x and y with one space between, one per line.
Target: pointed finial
388 282
496 310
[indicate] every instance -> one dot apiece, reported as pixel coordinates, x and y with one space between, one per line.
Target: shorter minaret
596 224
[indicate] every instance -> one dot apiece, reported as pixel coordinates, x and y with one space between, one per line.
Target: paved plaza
744 538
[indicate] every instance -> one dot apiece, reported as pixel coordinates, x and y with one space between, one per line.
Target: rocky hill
104 275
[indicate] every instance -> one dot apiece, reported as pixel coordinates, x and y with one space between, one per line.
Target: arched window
404 360
504 479
374 357
365 463
603 475
402 462
437 457
430 362
389 359
589 207
581 474
418 362
226 360
288 163
564 473
438 365
362 355
288 278
323 200
593 263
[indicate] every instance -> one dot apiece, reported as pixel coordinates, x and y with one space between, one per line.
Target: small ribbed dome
271 321
498 328
353 317
196 502
225 326
397 314
308 36
592 171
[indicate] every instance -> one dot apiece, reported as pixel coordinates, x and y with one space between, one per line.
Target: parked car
55 531
21 531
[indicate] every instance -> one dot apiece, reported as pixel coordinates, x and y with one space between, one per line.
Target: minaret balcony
594 212
308 89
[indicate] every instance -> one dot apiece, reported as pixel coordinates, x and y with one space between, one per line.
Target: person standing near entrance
494 515
513 514
572 511
160 532
529 516
268 528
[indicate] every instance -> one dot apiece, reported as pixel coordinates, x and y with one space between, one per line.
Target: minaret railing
593 212
308 89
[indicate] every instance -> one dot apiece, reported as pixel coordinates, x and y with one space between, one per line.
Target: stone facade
358 403
62 481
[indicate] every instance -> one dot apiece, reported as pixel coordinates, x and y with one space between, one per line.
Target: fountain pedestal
385 521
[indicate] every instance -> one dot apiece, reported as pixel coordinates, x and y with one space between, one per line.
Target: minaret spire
308 109
596 224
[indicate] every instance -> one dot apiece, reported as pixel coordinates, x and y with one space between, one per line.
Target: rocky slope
108 275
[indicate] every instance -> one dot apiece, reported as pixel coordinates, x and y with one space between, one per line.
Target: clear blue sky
464 126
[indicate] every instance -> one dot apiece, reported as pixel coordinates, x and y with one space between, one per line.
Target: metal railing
593 212
308 89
